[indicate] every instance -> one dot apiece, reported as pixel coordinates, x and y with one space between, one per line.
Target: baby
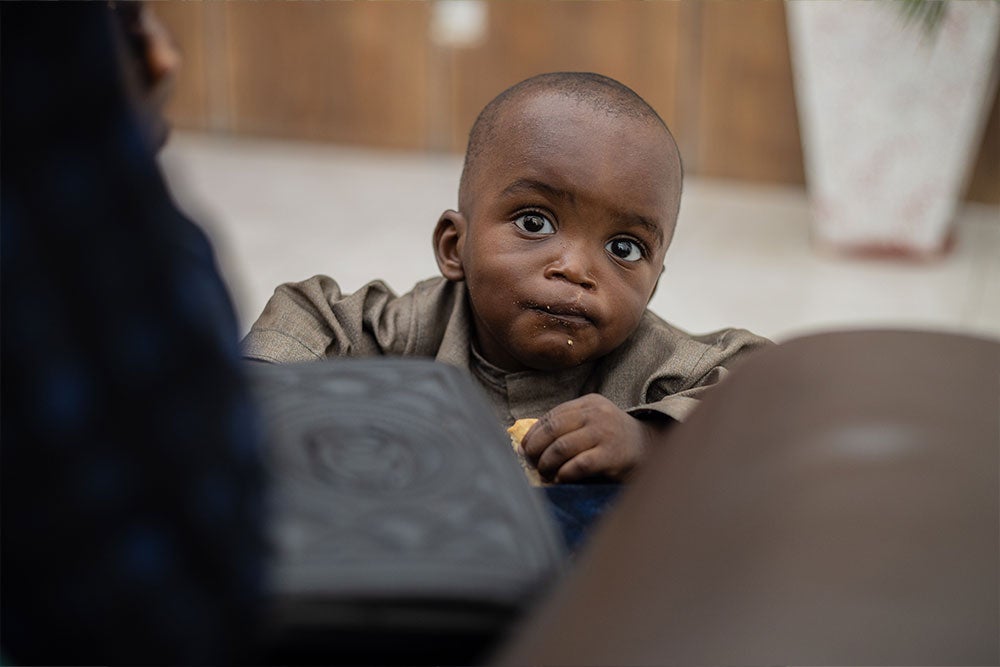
567 203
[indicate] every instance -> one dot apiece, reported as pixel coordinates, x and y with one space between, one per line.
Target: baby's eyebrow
530 184
636 220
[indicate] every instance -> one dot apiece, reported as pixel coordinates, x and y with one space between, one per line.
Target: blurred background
326 137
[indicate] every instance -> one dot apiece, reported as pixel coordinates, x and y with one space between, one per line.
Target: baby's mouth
570 315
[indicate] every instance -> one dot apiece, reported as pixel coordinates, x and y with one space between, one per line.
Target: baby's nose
572 265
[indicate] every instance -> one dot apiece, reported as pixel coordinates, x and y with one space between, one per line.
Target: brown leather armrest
835 501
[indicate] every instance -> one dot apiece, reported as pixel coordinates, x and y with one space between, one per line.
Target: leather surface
834 502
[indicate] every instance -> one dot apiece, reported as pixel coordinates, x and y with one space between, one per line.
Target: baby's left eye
630 251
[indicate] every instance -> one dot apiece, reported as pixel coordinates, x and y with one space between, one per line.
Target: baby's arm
590 437
313 319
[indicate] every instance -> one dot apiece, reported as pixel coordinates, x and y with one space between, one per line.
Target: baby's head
567 204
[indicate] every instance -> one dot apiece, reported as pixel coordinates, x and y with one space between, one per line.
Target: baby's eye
534 223
625 249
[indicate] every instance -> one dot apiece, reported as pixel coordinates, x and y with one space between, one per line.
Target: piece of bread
517 432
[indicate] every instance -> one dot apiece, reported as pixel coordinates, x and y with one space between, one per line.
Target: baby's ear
449 237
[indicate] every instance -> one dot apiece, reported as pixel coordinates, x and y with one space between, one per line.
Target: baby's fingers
554 424
587 464
564 448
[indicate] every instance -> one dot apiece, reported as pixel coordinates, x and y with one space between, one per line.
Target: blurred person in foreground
131 488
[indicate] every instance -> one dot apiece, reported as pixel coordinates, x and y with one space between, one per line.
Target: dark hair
601 92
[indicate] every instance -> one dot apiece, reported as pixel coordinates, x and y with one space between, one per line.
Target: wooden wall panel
634 42
984 184
748 127
369 74
340 71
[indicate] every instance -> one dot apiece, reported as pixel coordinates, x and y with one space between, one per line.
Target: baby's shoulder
653 330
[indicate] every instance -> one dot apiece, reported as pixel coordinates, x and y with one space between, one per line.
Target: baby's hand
588 437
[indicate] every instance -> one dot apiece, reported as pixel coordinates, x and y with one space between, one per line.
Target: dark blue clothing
577 508
131 485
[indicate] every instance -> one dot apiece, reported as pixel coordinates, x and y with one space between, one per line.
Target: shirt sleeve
714 355
313 319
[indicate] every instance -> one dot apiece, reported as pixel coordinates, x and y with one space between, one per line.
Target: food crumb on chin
569 341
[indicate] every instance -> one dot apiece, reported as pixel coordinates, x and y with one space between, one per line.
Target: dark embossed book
403 528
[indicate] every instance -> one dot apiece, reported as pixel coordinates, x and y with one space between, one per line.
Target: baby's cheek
619 331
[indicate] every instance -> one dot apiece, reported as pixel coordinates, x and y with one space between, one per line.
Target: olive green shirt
659 370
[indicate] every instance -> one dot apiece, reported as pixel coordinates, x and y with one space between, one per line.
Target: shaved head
601 93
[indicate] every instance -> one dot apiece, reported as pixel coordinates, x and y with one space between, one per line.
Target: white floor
283 211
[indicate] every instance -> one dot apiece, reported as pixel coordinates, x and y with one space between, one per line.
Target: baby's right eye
534 223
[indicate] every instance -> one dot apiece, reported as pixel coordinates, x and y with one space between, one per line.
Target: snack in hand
517 432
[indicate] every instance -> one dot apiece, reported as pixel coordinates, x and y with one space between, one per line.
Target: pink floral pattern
891 118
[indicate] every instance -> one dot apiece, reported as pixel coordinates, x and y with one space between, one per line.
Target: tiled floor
281 211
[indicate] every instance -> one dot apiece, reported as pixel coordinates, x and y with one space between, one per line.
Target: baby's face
570 218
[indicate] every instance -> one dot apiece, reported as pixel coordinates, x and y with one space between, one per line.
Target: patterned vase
891 114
